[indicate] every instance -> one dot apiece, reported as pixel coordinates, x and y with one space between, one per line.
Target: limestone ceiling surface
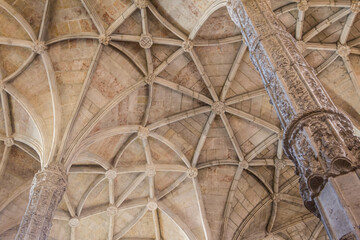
159 116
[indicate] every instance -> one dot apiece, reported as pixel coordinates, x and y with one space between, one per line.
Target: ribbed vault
159 116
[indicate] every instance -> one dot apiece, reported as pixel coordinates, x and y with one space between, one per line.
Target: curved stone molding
318 138
46 192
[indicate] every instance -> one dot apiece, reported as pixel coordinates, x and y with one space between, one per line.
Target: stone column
318 138
46 193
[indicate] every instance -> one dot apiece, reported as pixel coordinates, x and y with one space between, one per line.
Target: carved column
46 193
318 138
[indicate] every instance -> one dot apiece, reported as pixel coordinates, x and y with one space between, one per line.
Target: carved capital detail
318 139
46 192
38 47
146 41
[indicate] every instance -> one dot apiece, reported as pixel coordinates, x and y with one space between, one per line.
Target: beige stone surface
88 113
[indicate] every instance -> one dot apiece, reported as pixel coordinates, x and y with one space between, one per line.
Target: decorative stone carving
303 5
150 79
104 39
150 170
74 222
142 3
355 6
191 172
218 107
9 141
46 192
187 45
301 45
318 138
280 163
38 47
343 50
244 164
152 204
146 41
143 132
276 197
112 210
111 174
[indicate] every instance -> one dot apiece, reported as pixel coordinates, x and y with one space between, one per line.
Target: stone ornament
191 172
74 222
152 204
38 47
46 192
142 3
244 164
150 170
104 39
218 108
276 197
112 210
280 164
313 125
343 50
150 79
146 41
303 5
355 6
9 141
143 132
187 45
111 174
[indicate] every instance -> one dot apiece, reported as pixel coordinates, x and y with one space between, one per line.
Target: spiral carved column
46 192
318 138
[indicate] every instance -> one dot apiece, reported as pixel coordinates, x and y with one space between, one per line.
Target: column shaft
46 193
317 137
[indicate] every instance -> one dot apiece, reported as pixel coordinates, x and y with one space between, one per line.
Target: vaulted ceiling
159 115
